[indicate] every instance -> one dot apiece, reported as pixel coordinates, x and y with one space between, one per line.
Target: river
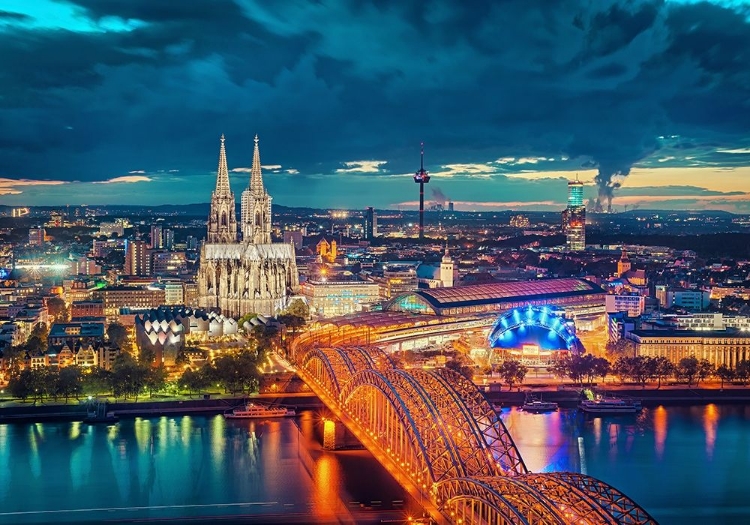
683 464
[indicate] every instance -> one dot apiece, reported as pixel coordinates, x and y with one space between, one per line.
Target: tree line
643 369
131 379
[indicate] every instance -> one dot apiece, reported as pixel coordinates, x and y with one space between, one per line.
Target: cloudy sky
123 101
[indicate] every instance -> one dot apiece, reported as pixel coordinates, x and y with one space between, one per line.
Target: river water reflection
185 466
683 464
686 464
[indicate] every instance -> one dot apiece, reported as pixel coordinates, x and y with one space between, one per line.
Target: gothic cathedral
248 275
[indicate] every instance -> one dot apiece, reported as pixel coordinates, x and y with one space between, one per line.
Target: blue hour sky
123 101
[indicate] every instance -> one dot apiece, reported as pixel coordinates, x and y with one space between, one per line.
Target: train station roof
460 297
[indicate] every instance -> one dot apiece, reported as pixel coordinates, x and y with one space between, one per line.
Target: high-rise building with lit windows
574 218
371 224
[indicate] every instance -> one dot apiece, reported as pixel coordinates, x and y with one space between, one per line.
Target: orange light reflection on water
326 479
660 430
710 424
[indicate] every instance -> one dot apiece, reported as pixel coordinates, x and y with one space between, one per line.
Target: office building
371 224
574 218
137 258
167 237
157 241
36 236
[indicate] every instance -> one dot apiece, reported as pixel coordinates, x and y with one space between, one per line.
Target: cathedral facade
247 274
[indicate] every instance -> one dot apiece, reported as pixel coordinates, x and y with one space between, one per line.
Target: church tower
446 269
256 206
623 265
222 223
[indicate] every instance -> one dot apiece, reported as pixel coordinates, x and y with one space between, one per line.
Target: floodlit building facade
332 298
251 275
719 347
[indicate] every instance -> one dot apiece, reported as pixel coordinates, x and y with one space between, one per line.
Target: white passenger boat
254 411
537 405
610 405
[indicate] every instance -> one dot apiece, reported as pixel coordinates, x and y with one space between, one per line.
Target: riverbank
671 395
25 412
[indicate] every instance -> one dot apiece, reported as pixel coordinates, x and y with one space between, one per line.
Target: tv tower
421 177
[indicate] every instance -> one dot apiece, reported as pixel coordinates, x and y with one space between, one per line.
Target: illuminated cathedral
247 274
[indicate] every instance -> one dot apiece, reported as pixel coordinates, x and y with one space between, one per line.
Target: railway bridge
434 431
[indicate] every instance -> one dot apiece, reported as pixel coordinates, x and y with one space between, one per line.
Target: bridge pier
337 436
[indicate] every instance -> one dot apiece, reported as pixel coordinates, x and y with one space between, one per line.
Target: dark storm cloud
326 84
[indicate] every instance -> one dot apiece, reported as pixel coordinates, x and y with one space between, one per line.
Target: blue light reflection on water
182 466
682 464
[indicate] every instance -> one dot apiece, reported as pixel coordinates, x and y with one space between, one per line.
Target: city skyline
122 103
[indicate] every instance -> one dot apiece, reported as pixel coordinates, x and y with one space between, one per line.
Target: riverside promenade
49 410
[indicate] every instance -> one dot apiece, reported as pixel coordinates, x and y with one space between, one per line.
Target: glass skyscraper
574 218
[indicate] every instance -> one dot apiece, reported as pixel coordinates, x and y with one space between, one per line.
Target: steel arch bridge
441 439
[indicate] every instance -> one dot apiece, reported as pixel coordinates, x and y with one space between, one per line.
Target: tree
457 366
687 368
724 373
577 367
512 371
639 369
194 381
292 322
41 331
14 355
742 371
117 335
128 376
621 348
263 335
601 367
35 345
156 379
147 355
236 373
663 368
21 384
97 381
705 369
37 341
58 309
298 308
69 383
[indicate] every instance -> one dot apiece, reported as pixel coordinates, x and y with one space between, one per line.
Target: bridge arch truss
441 433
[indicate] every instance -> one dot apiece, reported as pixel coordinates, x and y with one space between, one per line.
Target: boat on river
256 411
532 404
610 405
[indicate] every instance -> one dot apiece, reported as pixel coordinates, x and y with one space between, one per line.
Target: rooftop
508 291
729 332
68 329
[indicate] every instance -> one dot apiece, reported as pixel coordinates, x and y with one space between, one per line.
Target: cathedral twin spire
222 174
222 222
256 178
255 205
